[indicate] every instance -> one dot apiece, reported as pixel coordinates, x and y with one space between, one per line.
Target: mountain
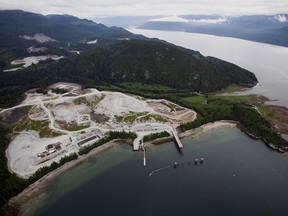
150 62
260 28
115 57
60 27
166 64
22 30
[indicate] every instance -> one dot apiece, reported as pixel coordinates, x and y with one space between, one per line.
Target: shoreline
206 127
24 200
202 129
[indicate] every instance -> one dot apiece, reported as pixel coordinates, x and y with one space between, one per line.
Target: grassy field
277 116
40 126
230 89
84 100
129 118
157 118
95 102
195 99
71 126
81 100
205 99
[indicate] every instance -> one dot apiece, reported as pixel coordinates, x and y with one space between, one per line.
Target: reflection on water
80 175
240 176
268 62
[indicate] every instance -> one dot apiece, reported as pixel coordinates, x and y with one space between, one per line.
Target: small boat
196 161
202 160
175 164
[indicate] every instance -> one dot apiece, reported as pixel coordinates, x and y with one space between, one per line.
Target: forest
148 62
154 136
118 57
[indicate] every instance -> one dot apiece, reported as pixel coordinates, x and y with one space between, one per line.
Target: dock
144 156
178 141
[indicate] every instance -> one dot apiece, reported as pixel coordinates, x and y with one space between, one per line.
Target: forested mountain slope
115 56
55 34
142 61
157 62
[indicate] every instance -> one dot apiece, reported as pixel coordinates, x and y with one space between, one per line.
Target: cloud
280 18
180 19
170 19
210 21
94 8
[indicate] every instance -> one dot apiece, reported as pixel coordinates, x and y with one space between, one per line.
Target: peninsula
128 87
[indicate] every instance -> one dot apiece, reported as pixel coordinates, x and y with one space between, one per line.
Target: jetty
178 141
144 156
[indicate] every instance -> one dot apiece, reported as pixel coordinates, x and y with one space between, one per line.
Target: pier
144 156
179 143
144 129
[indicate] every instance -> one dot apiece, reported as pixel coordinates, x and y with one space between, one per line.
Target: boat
196 161
202 160
175 164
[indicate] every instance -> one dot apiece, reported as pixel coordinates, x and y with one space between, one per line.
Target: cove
240 176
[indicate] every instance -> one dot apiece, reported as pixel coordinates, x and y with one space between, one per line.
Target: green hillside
152 62
149 62
71 33
118 57
63 28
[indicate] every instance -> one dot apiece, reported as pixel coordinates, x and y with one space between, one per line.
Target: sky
106 8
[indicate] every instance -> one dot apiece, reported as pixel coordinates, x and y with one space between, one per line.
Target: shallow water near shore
240 176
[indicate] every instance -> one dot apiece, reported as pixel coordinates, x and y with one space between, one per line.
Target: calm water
268 62
240 176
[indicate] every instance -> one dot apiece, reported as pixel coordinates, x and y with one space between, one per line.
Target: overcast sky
98 8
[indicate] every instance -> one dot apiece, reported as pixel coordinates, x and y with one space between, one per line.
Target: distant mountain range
63 28
266 29
23 34
95 54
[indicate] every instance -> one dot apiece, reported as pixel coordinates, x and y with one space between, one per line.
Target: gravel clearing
26 152
116 103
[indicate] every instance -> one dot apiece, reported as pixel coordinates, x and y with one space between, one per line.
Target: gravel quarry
70 121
